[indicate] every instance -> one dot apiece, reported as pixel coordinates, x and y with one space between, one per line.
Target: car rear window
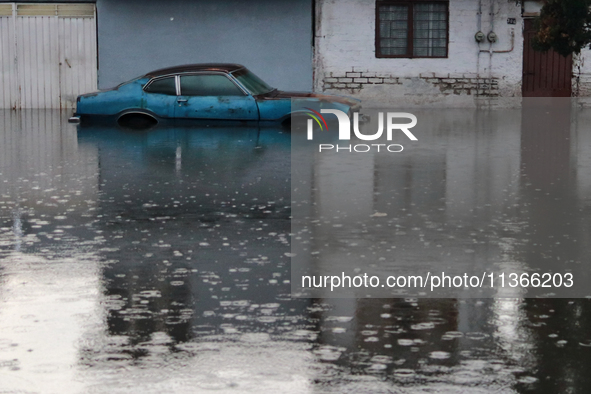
163 86
208 85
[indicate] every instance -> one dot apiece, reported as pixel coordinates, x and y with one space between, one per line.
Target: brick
345 80
463 80
434 80
354 86
427 75
329 80
456 75
339 86
360 80
470 75
390 80
448 80
376 80
353 74
327 86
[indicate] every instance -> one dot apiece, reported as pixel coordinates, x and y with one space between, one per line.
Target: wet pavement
158 261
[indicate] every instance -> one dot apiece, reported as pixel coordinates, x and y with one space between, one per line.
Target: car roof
225 67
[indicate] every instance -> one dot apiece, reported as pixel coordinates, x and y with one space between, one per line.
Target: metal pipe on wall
479 27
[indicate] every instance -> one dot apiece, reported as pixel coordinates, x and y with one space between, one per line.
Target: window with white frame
412 29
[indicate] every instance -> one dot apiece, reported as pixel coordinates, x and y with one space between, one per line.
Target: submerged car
210 92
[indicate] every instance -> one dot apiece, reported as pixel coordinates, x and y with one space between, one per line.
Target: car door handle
181 100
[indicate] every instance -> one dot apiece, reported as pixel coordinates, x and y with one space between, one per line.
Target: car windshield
251 82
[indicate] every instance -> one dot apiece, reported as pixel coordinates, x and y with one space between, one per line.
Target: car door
213 96
160 97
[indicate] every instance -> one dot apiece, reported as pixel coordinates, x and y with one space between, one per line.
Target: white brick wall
582 74
345 50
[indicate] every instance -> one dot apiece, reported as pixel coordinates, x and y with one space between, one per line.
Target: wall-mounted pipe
479 28
479 15
504 50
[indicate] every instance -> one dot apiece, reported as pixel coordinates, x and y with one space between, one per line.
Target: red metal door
545 74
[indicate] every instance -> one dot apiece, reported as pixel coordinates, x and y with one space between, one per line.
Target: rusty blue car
204 92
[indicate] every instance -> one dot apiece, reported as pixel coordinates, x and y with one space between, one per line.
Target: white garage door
47 54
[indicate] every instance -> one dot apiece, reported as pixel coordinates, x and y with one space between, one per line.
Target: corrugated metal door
545 74
9 97
48 54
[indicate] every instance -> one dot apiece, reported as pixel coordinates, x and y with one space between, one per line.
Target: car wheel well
137 120
294 121
286 123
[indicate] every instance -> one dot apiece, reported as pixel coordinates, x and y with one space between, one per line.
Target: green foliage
564 26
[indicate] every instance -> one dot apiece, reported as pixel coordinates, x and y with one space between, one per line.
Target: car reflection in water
156 261
195 214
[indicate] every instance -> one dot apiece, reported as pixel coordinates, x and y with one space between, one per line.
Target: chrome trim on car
133 111
177 84
178 80
147 85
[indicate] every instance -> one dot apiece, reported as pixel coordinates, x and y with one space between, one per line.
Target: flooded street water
158 261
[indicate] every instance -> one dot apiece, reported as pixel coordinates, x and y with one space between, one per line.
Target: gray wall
272 38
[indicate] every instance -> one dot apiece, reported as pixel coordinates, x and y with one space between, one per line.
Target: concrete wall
346 62
272 38
582 74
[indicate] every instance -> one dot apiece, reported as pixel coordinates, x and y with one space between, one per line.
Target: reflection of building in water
580 141
42 163
49 286
558 240
48 183
502 191
447 202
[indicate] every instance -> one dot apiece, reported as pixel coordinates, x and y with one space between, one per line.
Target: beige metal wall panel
9 97
77 51
38 65
36 9
48 54
5 9
76 10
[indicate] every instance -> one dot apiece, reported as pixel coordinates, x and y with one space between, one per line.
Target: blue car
210 92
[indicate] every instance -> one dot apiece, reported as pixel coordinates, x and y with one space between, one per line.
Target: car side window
208 85
163 86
